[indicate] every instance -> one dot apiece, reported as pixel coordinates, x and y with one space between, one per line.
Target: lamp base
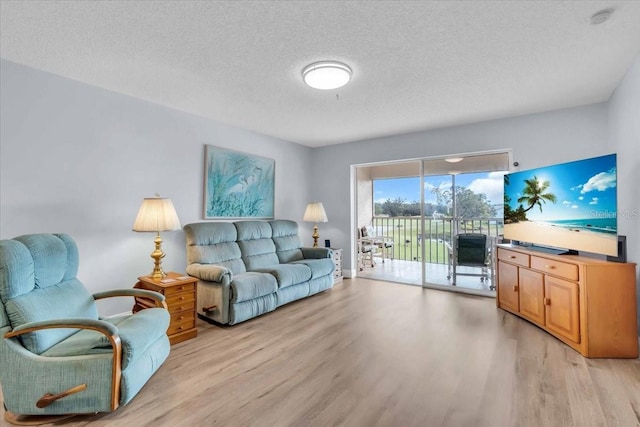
157 256
315 236
158 274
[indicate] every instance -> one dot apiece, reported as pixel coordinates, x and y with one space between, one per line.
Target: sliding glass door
388 222
418 210
463 214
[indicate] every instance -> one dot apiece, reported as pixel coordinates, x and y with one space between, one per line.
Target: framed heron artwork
237 185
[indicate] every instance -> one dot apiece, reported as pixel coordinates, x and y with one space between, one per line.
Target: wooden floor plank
371 353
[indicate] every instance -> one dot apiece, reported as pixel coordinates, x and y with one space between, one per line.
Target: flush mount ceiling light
326 75
453 159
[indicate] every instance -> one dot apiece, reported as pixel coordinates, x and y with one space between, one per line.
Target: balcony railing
407 237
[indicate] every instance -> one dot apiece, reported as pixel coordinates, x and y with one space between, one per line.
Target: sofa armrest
316 253
213 291
210 273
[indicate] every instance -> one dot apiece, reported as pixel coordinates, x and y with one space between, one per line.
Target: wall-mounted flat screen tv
570 206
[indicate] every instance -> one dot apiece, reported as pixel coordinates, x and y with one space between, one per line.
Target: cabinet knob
549 267
547 301
512 256
515 288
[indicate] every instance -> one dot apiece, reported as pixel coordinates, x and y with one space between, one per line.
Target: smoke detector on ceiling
601 17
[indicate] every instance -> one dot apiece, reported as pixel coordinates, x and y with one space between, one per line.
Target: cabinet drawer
513 257
187 287
556 268
181 323
181 302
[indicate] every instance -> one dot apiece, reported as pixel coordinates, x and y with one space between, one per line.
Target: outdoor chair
366 249
471 250
383 244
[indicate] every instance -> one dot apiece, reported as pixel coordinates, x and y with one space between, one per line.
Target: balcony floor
410 273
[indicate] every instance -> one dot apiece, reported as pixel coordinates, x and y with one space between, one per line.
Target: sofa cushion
256 245
38 283
320 284
287 241
246 310
318 267
214 243
288 274
55 258
66 300
292 293
258 253
137 333
210 233
251 285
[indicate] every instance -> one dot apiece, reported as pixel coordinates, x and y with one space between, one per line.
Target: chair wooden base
34 420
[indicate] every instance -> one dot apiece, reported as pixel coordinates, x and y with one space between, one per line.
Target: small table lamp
157 215
315 213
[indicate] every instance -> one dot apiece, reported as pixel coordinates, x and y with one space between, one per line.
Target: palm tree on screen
535 193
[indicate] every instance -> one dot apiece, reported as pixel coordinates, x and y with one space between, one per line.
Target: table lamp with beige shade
157 214
315 213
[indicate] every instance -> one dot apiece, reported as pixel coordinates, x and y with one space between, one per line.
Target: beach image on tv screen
570 205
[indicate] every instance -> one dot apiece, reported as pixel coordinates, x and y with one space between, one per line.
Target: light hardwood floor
369 353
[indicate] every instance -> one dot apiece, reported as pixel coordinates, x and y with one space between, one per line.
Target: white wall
624 129
536 140
364 194
78 159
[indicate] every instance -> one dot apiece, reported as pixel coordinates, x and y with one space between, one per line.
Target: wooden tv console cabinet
589 304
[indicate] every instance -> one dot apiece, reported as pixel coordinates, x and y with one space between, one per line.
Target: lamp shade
315 213
156 214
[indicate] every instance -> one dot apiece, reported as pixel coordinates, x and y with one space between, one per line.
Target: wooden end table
180 295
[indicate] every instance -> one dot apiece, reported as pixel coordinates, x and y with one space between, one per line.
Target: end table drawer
177 306
180 323
187 287
182 298
179 291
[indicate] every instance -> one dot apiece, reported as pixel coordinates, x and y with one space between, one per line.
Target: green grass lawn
405 232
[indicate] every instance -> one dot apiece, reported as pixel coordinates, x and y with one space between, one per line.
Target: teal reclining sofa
248 268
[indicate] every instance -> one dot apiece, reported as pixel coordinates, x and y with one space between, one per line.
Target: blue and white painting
238 185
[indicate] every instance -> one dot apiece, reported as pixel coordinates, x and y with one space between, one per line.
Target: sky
491 184
584 189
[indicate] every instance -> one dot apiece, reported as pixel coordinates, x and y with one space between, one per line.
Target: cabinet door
531 287
562 313
508 286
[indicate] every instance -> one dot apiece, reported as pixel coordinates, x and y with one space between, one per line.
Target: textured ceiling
416 65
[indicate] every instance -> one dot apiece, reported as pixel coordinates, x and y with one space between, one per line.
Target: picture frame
237 185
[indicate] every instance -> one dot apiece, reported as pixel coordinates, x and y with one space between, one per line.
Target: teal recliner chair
57 356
